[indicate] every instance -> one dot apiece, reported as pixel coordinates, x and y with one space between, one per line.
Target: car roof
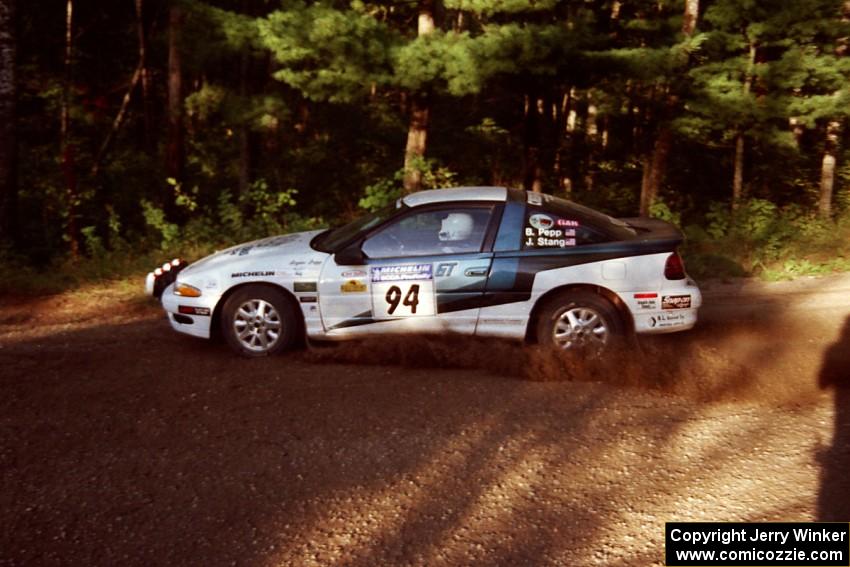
455 194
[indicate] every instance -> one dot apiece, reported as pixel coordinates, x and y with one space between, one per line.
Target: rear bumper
189 315
670 310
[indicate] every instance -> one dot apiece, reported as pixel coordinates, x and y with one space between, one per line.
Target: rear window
551 222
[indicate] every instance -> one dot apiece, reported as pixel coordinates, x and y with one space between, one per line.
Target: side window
544 229
431 232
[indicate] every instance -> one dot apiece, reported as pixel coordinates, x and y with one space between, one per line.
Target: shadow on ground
129 444
834 497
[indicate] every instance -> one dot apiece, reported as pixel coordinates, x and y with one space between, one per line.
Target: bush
760 238
385 191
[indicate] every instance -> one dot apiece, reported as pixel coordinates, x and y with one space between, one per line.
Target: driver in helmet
455 232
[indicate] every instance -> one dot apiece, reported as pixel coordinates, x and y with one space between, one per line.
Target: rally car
487 261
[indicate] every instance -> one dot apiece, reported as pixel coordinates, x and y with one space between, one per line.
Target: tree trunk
244 131
827 172
66 147
8 122
827 178
116 124
560 172
532 179
738 175
689 21
417 141
147 102
655 166
174 149
420 113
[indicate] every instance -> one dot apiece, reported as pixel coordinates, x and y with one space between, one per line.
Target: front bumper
189 315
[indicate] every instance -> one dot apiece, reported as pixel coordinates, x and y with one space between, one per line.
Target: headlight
186 290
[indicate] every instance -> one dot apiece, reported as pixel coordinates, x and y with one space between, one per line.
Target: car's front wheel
579 321
259 320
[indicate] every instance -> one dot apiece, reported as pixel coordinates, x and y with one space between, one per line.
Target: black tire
259 320
579 321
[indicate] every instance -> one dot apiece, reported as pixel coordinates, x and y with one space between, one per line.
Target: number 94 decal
391 300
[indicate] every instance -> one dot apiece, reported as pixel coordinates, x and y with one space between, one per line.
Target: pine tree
8 120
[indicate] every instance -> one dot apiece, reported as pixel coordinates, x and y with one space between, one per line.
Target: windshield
331 240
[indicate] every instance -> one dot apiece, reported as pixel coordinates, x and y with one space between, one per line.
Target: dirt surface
123 443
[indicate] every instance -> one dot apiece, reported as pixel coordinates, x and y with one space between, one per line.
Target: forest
134 130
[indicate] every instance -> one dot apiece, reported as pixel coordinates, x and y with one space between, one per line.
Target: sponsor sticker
353 286
403 291
308 299
666 320
567 222
647 301
354 274
305 263
676 302
304 286
261 274
241 251
543 231
403 273
541 221
535 199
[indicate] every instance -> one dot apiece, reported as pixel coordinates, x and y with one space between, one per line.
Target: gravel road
122 443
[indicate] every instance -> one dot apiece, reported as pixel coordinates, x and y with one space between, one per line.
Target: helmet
456 226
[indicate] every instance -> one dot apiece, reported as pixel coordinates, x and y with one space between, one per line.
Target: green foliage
759 238
385 191
297 111
167 232
660 210
327 53
256 213
381 193
92 242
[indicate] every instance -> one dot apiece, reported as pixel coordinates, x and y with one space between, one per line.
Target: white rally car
486 261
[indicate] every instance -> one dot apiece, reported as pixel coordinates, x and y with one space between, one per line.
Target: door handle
476 272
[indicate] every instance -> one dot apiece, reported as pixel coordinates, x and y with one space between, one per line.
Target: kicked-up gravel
122 443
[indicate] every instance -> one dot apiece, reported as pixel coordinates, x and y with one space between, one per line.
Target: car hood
286 253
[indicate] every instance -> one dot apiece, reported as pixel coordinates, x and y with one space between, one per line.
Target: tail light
674 268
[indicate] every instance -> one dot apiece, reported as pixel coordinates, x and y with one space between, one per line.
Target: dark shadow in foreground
834 496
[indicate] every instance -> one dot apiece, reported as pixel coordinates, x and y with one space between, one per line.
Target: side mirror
351 255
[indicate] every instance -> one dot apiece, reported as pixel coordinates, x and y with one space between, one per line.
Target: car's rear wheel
579 321
259 320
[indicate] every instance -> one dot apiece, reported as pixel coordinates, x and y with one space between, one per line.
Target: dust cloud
740 364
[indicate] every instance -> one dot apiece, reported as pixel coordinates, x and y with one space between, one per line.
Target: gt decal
445 270
403 291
